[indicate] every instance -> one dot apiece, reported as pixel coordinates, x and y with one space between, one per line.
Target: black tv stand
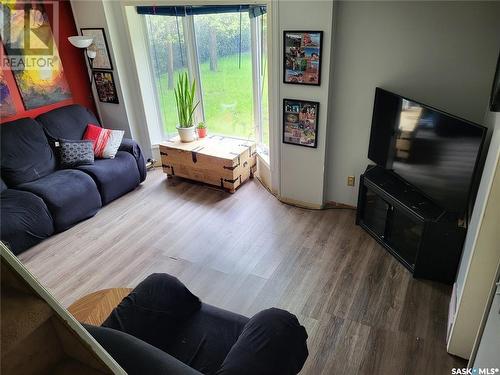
424 237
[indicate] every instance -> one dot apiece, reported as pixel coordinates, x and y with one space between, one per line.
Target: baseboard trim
333 204
301 204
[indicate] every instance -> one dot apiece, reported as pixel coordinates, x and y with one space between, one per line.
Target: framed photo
300 122
302 57
102 60
105 86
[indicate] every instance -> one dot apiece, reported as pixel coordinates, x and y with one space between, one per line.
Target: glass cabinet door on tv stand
375 213
405 234
422 236
392 226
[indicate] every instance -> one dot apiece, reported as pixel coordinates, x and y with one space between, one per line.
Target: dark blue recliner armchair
162 328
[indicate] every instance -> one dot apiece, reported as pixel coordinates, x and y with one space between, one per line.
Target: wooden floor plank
363 311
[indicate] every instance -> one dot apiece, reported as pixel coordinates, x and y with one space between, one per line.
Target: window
263 79
169 59
226 72
225 49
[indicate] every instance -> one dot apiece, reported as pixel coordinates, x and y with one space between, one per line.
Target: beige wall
303 169
481 254
440 53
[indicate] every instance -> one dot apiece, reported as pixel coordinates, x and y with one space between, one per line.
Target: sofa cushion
25 220
114 177
135 356
70 195
68 122
154 310
207 336
164 313
25 152
272 342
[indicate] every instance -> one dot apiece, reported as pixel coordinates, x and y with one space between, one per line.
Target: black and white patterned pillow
75 153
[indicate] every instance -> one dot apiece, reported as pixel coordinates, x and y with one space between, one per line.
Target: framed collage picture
102 59
300 122
302 57
105 86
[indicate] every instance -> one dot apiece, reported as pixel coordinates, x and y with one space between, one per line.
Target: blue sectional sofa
37 197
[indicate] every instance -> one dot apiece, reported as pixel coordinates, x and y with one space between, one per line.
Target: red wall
74 66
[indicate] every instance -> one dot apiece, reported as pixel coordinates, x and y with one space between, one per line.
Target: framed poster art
302 57
32 54
300 122
105 86
7 107
102 59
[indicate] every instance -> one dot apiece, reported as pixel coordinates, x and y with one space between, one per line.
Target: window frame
193 64
256 43
193 68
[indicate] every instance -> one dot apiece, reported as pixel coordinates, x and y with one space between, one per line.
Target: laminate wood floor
363 311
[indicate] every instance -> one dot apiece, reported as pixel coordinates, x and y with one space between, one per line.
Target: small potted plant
184 98
202 130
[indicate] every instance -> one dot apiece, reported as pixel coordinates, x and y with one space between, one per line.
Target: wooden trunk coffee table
95 307
220 161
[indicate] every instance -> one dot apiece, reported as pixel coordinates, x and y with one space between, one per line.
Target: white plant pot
186 134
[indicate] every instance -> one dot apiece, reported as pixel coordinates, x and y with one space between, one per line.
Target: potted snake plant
184 98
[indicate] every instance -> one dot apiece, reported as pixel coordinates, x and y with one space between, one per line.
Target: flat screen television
434 151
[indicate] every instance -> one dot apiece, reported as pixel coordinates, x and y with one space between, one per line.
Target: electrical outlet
350 180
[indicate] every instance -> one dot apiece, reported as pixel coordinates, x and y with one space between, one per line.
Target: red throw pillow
106 141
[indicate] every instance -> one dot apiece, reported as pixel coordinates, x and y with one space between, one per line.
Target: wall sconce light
80 41
85 42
